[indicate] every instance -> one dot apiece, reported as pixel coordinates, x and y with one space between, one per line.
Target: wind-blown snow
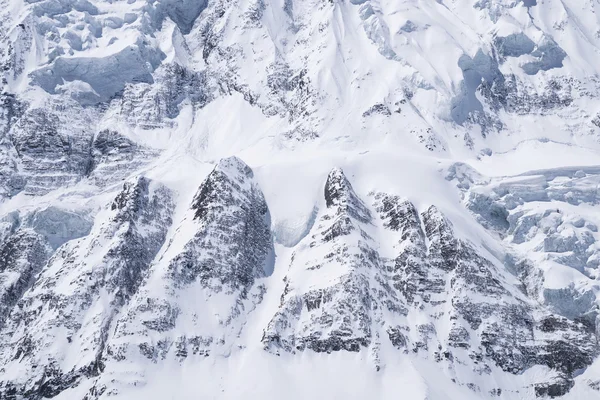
299 199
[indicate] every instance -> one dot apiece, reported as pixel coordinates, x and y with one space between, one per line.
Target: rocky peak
443 246
117 285
219 188
219 252
400 215
340 195
79 292
229 208
332 314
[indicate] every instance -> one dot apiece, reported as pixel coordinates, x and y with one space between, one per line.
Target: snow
531 155
387 91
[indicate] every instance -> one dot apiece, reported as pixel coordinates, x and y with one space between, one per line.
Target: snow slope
278 198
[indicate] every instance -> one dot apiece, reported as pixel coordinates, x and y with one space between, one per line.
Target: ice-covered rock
51 154
334 312
60 326
22 256
202 289
127 267
58 226
114 157
105 76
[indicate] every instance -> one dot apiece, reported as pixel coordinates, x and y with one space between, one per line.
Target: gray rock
101 280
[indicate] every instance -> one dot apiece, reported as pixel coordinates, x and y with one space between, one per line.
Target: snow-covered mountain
272 199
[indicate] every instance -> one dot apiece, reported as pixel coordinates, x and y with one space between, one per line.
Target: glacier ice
299 199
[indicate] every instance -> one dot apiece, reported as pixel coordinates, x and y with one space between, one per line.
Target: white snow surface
374 87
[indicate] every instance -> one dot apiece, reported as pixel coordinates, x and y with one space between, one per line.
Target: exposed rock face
479 316
144 287
228 204
155 105
215 260
334 312
114 157
50 154
45 150
73 302
122 256
22 256
538 217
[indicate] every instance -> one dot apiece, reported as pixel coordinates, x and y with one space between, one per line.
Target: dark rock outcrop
74 300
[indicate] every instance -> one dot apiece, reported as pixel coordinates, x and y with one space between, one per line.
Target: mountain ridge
346 199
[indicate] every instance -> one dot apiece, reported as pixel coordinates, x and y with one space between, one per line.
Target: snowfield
345 199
